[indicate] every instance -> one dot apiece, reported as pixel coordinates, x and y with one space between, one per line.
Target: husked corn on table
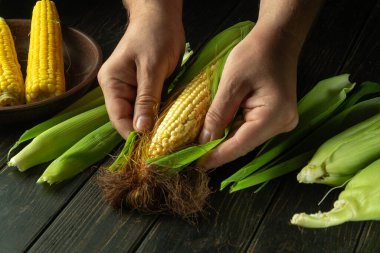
72 217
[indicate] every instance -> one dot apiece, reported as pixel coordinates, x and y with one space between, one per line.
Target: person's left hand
260 77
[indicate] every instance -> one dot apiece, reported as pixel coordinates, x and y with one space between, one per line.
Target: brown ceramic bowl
82 56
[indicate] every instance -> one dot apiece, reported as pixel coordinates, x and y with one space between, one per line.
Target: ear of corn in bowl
50 56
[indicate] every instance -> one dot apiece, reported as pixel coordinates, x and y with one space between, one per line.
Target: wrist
276 41
168 9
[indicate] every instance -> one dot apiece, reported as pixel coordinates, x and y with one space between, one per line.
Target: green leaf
273 172
89 101
214 49
125 153
177 160
338 123
87 151
364 91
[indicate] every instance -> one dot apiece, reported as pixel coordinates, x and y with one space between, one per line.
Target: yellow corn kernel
45 73
11 81
184 119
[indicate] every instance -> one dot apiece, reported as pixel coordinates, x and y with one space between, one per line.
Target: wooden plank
330 41
277 235
7 138
369 241
226 227
363 60
26 208
88 224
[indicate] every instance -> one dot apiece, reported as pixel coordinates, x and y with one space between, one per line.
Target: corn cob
339 158
359 201
184 119
45 72
142 177
12 90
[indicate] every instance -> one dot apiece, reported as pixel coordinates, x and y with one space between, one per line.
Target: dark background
72 217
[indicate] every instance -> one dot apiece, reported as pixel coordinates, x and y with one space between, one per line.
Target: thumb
149 87
221 112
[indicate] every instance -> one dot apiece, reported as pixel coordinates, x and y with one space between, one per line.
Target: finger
150 82
250 135
222 110
119 99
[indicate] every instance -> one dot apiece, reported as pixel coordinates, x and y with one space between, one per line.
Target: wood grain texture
277 235
7 138
364 59
27 208
370 239
330 41
72 217
88 224
227 226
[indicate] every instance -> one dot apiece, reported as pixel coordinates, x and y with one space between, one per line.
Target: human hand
132 78
259 76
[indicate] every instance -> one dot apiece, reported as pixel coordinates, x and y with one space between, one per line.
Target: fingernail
205 136
144 123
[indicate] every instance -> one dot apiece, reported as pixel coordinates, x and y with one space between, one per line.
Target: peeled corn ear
45 72
11 81
184 119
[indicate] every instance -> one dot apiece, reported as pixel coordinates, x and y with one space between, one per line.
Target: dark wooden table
71 217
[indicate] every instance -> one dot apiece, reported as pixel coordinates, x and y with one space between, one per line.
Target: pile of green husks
337 141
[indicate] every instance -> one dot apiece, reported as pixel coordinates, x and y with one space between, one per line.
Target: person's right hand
132 78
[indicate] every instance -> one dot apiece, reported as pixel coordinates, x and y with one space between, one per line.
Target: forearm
288 20
171 9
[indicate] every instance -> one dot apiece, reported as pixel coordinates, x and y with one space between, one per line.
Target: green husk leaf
218 74
359 201
87 151
313 109
89 97
125 154
56 140
89 101
188 53
364 91
217 47
177 160
338 123
272 172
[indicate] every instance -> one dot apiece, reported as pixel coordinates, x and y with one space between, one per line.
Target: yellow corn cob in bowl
11 81
45 72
